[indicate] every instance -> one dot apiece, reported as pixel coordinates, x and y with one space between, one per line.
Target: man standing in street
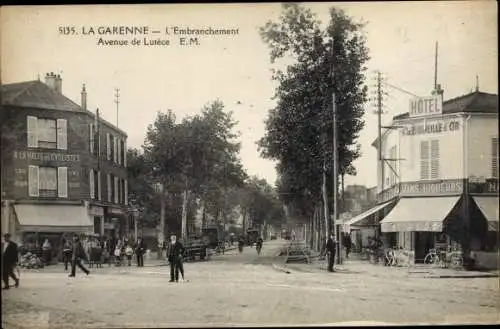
77 257
140 249
10 257
330 251
175 254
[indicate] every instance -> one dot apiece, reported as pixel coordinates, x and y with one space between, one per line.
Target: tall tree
299 129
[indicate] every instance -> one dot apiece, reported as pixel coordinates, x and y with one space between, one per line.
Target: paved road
243 289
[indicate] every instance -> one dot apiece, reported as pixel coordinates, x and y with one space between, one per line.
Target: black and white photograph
249 164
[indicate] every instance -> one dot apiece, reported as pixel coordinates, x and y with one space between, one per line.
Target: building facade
439 173
63 167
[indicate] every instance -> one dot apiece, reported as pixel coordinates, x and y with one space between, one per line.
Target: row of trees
299 129
194 164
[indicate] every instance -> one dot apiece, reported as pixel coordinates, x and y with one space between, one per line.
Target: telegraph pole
379 120
117 101
336 225
436 68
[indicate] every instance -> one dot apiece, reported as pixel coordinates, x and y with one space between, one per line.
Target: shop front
115 222
36 223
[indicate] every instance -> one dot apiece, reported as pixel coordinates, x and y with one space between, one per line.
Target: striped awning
489 207
419 214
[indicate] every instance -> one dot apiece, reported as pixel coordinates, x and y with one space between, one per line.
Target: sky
401 39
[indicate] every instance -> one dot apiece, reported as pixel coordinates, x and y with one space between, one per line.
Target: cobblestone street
236 289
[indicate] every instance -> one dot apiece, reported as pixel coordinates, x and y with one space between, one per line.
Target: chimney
50 80
84 98
58 84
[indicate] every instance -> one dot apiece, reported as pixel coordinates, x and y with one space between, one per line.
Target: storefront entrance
424 241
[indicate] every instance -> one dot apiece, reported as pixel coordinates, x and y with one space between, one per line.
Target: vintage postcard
249 164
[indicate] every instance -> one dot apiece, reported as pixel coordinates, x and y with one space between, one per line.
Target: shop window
494 157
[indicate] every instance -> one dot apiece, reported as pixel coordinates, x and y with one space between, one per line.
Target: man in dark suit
77 257
140 249
10 257
331 248
175 254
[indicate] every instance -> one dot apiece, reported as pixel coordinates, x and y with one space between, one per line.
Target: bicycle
451 259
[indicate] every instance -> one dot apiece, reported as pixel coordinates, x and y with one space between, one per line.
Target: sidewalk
365 267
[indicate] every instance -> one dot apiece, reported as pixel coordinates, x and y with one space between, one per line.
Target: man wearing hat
10 257
175 254
331 248
77 256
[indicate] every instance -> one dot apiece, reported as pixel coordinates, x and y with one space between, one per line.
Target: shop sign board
46 156
424 106
422 188
487 186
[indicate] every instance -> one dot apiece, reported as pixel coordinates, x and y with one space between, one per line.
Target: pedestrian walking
78 255
175 254
67 252
330 251
118 253
347 244
140 249
10 257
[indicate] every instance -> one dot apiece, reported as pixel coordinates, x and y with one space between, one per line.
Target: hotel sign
46 156
423 106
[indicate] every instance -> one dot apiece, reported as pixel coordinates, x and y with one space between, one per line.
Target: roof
475 102
37 94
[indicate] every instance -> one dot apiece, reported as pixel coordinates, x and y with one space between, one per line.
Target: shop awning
419 214
489 207
363 219
53 218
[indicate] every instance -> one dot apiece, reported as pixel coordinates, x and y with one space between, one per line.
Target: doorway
424 241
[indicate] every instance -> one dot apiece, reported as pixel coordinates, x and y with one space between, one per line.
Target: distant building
63 171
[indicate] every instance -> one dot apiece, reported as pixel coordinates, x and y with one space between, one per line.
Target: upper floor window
429 159
494 157
47 133
48 181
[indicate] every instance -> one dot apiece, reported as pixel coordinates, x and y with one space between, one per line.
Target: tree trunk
203 215
184 214
325 201
243 226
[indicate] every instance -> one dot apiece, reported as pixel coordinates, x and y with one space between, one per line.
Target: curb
462 276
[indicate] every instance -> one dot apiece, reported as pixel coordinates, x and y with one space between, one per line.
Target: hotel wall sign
431 127
46 156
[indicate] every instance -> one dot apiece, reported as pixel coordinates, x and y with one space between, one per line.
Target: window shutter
99 185
424 160
62 182
32 128
62 134
119 142
91 138
91 184
124 153
115 149
33 181
434 159
126 192
494 157
116 190
108 146
110 188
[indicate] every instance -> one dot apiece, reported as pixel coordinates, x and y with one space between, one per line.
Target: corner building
63 167
438 180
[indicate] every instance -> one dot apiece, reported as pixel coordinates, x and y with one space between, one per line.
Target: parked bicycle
444 258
